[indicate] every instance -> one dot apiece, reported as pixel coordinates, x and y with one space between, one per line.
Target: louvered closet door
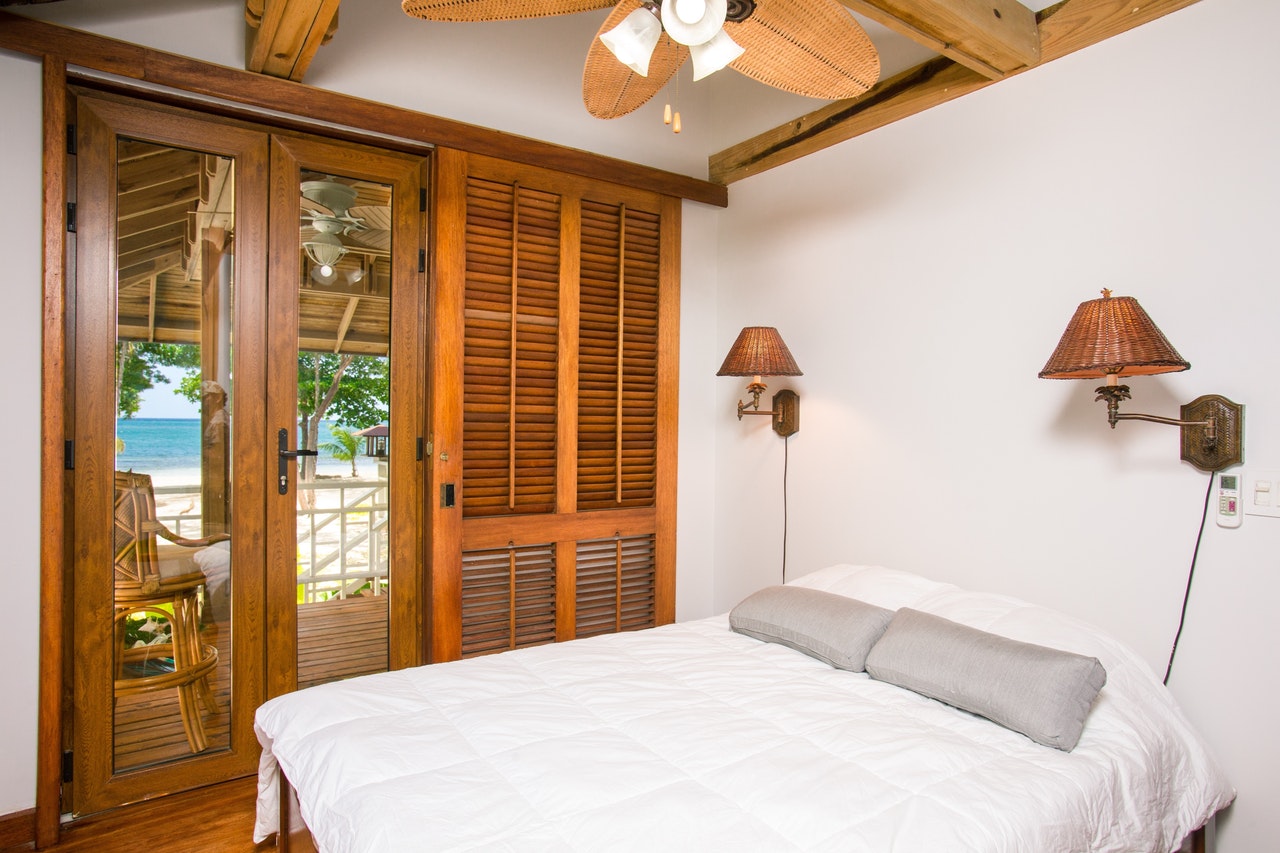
562 300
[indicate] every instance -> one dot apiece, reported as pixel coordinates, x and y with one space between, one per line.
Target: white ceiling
529 72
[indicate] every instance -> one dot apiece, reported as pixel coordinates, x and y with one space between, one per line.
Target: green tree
139 367
345 447
350 389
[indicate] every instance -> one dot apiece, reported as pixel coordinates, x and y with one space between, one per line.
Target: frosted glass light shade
633 40
691 22
714 55
325 249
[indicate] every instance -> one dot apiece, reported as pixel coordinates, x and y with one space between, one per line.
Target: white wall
922 275
20 431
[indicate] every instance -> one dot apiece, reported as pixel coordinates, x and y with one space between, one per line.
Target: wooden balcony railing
342 534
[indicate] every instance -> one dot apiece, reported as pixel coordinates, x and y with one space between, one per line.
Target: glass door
169 213
249 398
346 405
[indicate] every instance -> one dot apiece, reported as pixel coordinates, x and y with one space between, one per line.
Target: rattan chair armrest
169 535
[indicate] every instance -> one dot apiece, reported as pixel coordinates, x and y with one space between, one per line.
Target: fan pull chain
670 117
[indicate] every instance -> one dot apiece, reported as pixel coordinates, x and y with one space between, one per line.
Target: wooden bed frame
298 840
293 836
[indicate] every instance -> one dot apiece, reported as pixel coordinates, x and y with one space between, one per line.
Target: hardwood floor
217 819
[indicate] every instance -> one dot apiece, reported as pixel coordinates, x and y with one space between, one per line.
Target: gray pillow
832 628
1043 693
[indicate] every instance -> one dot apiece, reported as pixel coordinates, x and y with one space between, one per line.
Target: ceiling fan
807 47
329 210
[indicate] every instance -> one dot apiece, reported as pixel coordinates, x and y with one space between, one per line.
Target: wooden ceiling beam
995 38
156 259
344 325
1064 28
284 35
153 266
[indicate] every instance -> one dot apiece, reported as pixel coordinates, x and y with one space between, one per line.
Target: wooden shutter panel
555 395
508 599
615 585
511 316
618 357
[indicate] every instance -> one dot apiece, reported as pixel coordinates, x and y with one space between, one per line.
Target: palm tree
345 447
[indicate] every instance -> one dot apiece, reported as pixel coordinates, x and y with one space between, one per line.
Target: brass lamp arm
785 411
1210 425
1113 394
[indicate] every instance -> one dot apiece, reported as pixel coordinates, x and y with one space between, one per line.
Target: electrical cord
1191 573
786 448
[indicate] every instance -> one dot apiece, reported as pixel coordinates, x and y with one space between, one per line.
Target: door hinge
422 260
67 766
422 200
71 139
69 455
71 217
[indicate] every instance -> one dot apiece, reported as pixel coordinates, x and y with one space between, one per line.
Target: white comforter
693 737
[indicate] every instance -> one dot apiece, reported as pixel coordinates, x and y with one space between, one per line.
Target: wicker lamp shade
1112 337
759 351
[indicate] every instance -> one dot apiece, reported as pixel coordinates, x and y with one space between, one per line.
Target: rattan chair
164 584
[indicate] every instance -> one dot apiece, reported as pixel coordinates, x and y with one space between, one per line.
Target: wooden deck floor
336 639
148 726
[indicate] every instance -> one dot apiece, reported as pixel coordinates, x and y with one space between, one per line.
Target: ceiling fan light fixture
324 275
633 40
714 55
333 195
325 250
691 22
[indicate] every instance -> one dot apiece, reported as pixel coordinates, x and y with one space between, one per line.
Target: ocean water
169 450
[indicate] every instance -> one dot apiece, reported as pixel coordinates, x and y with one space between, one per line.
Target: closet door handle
284 456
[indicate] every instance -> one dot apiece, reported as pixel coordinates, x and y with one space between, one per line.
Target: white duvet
693 737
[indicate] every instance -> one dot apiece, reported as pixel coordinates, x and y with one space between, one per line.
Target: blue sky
163 401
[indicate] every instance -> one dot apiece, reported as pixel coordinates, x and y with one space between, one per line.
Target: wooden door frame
99 123
404 173
160 123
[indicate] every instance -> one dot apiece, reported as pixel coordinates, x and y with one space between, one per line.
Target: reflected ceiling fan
808 47
329 210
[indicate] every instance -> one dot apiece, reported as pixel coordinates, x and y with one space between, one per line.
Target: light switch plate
1261 494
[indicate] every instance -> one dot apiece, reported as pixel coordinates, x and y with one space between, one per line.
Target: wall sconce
760 351
1109 338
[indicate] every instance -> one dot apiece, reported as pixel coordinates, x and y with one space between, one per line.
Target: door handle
284 457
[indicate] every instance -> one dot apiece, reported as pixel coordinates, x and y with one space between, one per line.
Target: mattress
694 737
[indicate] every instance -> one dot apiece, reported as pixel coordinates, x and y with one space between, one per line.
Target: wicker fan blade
809 47
310 206
373 238
496 10
372 216
611 89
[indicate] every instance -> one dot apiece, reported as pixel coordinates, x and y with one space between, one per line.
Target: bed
695 736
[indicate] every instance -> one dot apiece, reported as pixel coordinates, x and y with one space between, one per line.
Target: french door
269 288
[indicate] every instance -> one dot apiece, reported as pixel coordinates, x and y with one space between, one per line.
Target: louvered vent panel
618 357
508 599
511 312
615 585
